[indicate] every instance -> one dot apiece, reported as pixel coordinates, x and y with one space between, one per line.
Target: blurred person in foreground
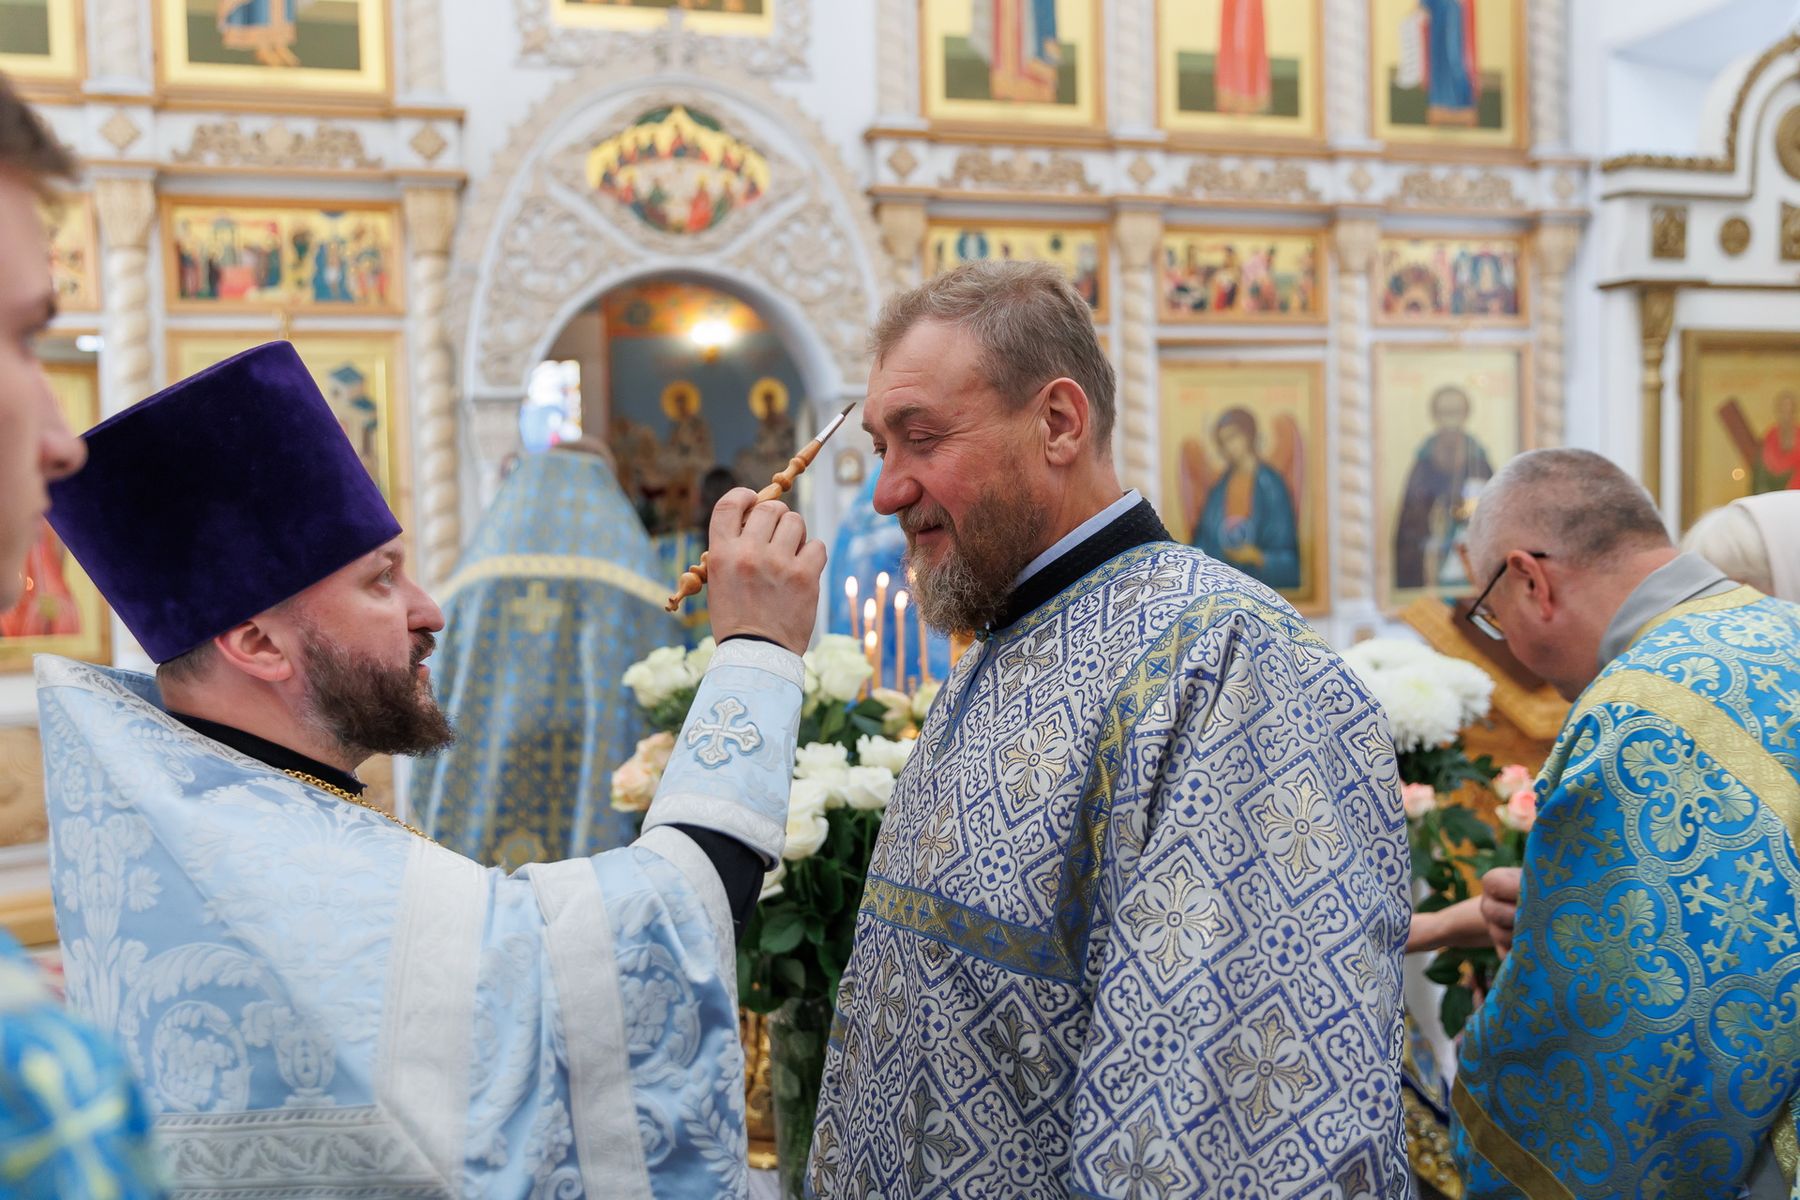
72 1121
1754 540
319 1000
1641 1035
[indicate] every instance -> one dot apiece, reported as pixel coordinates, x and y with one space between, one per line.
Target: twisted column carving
430 222
1347 89
897 69
127 210
1130 45
424 47
1548 38
1138 236
1555 247
1656 318
1354 241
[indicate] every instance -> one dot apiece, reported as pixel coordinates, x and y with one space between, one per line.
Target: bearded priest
1133 927
318 1000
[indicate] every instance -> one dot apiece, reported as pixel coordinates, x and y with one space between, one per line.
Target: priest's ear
261 648
1068 421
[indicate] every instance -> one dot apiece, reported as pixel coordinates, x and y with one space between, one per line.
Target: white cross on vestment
715 737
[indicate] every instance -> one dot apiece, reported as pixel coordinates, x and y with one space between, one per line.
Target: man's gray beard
967 590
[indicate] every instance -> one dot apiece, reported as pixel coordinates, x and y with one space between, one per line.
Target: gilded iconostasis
1349 255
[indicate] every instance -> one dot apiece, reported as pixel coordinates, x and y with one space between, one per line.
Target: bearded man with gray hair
1641 1038
1133 925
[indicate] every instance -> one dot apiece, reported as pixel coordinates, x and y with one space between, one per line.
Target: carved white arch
537 245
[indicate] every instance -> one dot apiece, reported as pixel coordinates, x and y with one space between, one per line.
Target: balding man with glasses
1643 1035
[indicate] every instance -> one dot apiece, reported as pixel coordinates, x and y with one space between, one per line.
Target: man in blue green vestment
558 593
1642 1036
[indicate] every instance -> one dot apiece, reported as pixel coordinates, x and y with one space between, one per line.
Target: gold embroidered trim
558 566
1737 597
1786 1144
1723 739
1519 1166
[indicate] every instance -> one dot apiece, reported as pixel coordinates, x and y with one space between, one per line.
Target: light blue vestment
1643 1036
557 594
319 1003
1134 923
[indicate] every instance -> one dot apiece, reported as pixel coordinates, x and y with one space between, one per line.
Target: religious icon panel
359 374
40 43
1448 71
745 18
222 256
61 611
282 50
1242 275
74 254
1080 250
1239 68
1243 469
678 171
1447 417
1740 417
1451 281
1012 62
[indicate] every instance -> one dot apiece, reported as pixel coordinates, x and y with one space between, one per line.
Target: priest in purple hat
318 999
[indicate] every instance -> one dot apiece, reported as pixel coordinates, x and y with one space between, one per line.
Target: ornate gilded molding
1668 231
1656 318
424 41
1355 241
1548 62
1555 246
120 131
1721 164
228 144
1138 236
1790 233
1487 189
430 226
1020 172
1787 142
1271 182
897 65
22 818
1734 236
903 236
127 211
1347 71
542 42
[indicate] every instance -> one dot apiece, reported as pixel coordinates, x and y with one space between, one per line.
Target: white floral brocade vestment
1133 927
319 1004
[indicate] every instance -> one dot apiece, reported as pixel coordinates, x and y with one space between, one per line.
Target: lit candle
872 638
855 613
881 593
900 599
924 650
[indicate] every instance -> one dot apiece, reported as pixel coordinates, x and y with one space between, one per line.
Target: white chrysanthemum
1429 697
836 669
807 826
869 787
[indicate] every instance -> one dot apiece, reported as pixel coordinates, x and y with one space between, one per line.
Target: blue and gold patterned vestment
1643 1037
317 1003
73 1125
1133 927
557 594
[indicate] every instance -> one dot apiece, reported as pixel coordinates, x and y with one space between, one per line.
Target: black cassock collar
271 754
1136 526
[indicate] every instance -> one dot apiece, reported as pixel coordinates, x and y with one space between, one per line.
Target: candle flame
869 615
881 580
869 640
850 588
900 600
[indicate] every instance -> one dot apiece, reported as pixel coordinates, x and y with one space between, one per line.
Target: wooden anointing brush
694 578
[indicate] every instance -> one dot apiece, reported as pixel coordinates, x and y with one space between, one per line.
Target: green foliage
668 716
1452 847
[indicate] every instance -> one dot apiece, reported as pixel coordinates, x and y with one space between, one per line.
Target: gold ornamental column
1656 317
127 211
1137 234
1555 247
430 221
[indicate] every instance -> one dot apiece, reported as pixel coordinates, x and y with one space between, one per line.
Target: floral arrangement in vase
1430 699
855 736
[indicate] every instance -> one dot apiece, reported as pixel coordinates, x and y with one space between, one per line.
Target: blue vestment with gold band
1133 926
1643 1036
557 594
73 1125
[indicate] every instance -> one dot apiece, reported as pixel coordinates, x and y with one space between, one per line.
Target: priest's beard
371 708
966 589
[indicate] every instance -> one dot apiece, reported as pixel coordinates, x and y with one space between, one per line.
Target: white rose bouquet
854 742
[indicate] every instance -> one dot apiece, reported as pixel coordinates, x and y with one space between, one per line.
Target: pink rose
1520 810
1417 799
1509 781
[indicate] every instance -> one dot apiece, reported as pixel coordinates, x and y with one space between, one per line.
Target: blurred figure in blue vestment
558 593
